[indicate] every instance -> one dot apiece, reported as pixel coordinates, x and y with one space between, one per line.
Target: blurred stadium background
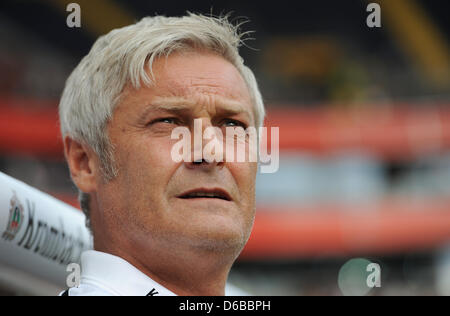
364 117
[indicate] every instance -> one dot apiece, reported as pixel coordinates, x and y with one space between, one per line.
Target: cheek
147 163
245 176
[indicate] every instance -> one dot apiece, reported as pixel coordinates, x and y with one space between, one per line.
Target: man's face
148 203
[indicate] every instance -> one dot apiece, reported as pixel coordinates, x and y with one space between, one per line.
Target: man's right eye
168 120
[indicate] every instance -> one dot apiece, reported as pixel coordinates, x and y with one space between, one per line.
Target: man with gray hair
160 227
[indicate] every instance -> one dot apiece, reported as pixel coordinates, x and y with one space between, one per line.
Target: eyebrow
180 105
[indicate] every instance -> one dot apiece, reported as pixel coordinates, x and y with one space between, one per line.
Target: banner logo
15 218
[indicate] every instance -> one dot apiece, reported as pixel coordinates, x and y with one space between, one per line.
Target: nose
203 165
205 136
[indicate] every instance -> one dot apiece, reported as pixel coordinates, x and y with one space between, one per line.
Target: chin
220 236
225 246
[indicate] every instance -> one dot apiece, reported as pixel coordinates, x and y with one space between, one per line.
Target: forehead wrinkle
221 105
204 85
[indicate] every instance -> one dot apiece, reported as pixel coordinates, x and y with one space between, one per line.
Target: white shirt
103 274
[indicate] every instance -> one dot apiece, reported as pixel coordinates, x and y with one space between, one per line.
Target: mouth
202 193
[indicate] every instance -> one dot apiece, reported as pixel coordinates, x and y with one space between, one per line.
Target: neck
188 273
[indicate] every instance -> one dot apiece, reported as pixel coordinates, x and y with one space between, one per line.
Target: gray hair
122 56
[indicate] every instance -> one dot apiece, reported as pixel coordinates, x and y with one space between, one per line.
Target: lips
203 193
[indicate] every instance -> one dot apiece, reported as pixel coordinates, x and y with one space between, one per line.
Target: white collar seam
97 282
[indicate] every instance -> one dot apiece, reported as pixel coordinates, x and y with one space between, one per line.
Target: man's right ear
83 164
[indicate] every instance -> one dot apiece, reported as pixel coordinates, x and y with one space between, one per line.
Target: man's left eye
234 123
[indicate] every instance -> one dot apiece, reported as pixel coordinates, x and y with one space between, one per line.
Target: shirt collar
116 275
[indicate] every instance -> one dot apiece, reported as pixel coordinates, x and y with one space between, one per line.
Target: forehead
197 76
199 71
